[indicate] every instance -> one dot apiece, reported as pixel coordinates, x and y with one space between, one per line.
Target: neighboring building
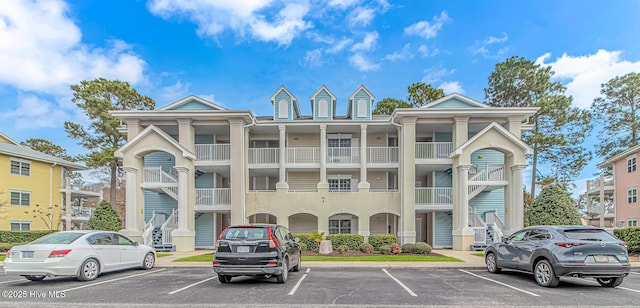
626 180
35 192
448 173
599 196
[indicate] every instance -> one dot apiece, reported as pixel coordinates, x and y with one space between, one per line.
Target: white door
108 253
130 254
419 228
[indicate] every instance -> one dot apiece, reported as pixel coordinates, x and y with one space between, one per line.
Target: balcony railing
382 155
264 155
433 150
594 184
433 195
343 155
488 172
213 196
80 212
159 176
306 155
213 152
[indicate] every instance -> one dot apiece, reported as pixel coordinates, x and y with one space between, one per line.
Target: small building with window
622 187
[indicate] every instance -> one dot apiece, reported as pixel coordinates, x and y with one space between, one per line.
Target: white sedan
84 254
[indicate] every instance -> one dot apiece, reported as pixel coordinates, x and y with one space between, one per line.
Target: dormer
360 104
323 104
193 102
455 100
285 105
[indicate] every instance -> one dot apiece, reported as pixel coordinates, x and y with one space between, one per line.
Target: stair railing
168 226
497 224
478 225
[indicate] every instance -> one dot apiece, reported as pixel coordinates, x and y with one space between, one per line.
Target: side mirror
505 240
135 244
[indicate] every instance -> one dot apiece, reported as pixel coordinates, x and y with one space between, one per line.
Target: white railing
159 176
488 172
479 234
147 233
475 220
168 226
89 187
383 190
382 155
497 224
433 195
171 191
307 155
594 184
264 155
343 155
609 208
213 196
213 152
432 150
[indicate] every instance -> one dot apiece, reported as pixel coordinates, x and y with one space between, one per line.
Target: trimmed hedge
377 240
21 236
353 241
304 238
4 247
631 236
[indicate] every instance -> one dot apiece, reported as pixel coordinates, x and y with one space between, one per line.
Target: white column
463 197
515 215
364 183
131 209
182 197
407 231
323 185
601 187
67 204
282 183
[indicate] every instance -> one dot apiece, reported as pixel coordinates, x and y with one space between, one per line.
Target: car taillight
569 245
272 241
220 236
59 253
623 244
8 254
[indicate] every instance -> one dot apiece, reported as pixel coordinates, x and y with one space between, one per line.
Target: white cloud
368 43
41 50
243 17
175 91
433 75
451 87
33 112
482 47
343 3
427 29
404 54
313 57
361 16
361 63
427 52
583 75
339 46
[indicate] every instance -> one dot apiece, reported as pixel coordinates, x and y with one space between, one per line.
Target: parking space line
191 285
399 282
116 279
293 291
627 289
498 282
634 273
12 281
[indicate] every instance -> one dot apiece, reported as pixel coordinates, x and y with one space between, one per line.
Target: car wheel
610 282
544 274
282 278
297 267
35 278
149 261
89 270
224 278
492 263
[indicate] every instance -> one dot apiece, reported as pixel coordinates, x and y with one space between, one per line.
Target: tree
105 218
47 147
553 207
421 94
619 113
101 137
558 128
388 105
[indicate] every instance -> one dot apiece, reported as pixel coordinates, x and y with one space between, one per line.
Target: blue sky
238 52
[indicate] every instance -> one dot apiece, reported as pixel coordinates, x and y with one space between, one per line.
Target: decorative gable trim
503 131
9 139
177 104
351 111
294 101
470 101
151 129
314 104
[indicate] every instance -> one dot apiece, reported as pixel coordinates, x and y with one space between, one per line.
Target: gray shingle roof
28 153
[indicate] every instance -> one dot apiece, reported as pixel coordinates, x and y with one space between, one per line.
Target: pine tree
553 207
105 218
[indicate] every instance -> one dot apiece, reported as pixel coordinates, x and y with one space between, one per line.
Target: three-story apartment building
622 185
448 173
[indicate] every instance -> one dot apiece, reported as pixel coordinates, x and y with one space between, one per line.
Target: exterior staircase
157 232
489 229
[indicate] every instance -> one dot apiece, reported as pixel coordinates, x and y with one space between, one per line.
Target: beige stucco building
448 173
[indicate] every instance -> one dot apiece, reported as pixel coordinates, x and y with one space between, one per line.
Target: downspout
51 196
245 168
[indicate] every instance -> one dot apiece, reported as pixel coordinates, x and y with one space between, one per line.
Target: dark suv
256 250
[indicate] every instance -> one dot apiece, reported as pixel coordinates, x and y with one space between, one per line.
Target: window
632 195
100 239
632 222
20 198
323 108
121 240
339 226
362 108
538 235
631 164
339 185
283 112
20 225
20 167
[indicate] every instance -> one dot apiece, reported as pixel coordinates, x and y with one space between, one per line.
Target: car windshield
58 238
246 233
589 235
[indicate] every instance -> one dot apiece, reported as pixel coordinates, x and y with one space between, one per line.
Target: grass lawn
160 254
200 258
2 258
382 258
479 254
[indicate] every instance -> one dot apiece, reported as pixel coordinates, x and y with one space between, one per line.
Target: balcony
81 214
433 150
382 155
343 155
84 190
213 152
270 157
434 198
593 185
306 155
213 198
264 156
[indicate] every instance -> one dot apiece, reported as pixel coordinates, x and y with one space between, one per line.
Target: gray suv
553 251
256 250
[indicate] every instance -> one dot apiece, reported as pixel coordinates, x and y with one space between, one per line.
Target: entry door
419 232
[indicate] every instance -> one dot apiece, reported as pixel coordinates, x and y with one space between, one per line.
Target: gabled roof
503 131
333 98
460 97
619 156
294 100
190 98
9 139
352 96
150 129
20 151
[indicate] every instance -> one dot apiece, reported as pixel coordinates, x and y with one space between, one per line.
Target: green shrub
303 246
304 239
385 249
408 248
21 236
366 248
105 218
422 248
395 249
377 240
353 241
631 236
342 249
4 247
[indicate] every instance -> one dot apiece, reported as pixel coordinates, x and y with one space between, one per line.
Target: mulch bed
356 253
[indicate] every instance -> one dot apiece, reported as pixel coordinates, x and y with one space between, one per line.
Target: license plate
27 254
601 259
243 248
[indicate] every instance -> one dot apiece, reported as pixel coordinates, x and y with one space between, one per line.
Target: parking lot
316 286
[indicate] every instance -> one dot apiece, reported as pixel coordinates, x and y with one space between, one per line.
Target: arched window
283 112
362 108
323 108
